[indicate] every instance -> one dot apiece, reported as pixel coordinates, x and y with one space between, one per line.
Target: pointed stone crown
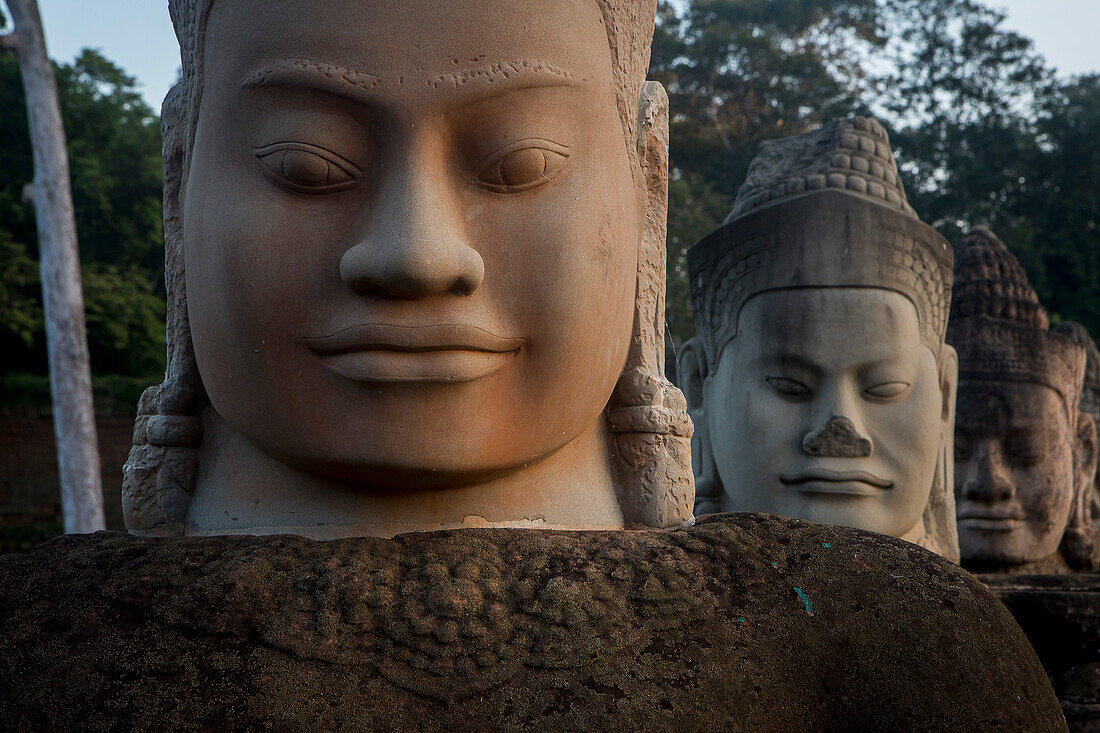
989 281
998 326
821 209
845 155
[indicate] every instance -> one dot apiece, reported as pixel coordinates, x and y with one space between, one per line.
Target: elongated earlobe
1087 455
949 384
159 477
691 364
1081 543
647 416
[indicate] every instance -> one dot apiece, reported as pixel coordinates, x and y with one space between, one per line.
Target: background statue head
820 384
1090 405
1025 453
415 276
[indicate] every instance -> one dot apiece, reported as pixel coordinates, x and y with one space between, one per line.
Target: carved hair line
646 415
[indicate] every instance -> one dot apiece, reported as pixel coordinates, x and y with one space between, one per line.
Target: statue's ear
691 368
691 365
652 146
1086 452
949 385
941 530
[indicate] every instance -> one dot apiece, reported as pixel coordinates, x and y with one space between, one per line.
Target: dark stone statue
1025 453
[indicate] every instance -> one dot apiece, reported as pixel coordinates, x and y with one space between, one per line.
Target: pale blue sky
137 35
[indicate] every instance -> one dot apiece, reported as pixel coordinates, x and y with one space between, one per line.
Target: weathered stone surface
821 269
568 327
1061 617
1025 453
744 622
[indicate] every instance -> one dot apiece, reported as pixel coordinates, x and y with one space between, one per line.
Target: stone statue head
1090 405
819 381
1025 452
415 264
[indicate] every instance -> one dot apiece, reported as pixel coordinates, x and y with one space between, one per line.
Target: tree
962 94
983 131
739 72
63 301
114 149
1055 223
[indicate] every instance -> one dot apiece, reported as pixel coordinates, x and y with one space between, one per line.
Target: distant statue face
410 252
828 407
1014 471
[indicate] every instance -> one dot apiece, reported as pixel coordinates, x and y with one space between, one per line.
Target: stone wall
29 491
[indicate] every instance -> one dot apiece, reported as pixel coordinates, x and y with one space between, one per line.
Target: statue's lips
825 481
372 352
989 521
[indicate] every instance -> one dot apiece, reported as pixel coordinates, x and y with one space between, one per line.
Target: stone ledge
743 622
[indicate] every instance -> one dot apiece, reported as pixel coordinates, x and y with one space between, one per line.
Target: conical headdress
821 209
998 326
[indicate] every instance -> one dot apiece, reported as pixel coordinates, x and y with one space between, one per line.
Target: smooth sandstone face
1013 471
827 407
411 234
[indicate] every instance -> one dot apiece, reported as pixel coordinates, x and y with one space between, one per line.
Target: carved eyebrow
538 71
345 82
326 77
781 358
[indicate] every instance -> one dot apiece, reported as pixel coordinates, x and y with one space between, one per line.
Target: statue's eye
887 390
1024 448
523 165
307 168
789 387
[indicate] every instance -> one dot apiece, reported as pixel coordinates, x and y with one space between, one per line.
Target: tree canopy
983 130
113 140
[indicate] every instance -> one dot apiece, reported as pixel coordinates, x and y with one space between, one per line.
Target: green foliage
984 132
694 210
1059 218
26 537
114 394
20 302
114 154
125 320
739 72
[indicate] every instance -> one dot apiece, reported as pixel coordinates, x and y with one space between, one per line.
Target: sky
137 34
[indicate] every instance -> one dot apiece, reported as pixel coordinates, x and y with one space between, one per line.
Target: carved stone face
411 234
1014 471
827 407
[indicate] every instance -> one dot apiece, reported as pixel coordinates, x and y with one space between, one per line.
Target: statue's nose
839 438
986 478
415 244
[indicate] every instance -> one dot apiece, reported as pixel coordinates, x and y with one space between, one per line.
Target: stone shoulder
753 620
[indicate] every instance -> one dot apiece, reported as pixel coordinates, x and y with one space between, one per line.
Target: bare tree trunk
63 300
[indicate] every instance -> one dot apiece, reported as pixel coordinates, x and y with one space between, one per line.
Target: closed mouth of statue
843 483
984 521
386 353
